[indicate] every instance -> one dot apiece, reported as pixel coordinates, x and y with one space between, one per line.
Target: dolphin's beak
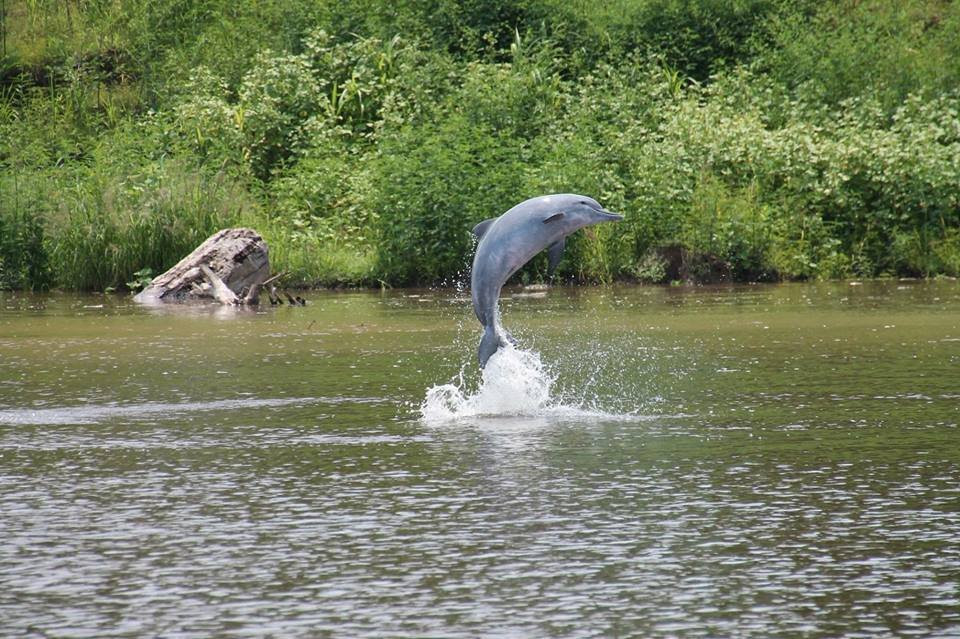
611 217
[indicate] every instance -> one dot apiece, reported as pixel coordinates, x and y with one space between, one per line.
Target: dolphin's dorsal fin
482 227
553 218
554 253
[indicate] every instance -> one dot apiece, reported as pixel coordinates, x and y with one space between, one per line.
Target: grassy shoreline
757 141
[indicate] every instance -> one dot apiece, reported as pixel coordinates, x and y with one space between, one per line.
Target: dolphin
508 242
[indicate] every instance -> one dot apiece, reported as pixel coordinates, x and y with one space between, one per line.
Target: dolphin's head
580 211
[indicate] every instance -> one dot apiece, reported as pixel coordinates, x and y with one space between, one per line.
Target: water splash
515 383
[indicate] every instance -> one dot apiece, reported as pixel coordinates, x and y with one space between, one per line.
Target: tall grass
23 254
103 228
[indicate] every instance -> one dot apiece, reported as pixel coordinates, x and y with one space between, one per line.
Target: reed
105 228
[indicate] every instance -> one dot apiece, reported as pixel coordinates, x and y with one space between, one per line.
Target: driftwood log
231 266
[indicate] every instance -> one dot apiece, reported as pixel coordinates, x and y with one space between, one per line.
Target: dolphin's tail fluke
489 344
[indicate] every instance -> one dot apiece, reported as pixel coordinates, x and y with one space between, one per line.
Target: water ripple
95 413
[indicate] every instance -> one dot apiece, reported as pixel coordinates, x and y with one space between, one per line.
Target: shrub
428 190
886 49
288 104
854 176
433 181
732 226
695 37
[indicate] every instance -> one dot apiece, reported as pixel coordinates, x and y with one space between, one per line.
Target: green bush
433 181
695 37
288 105
856 176
731 226
764 138
429 188
886 49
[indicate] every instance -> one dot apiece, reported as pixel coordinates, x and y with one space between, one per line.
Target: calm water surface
701 462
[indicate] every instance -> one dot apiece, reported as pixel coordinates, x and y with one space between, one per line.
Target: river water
757 461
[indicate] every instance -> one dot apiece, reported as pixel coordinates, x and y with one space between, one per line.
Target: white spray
515 382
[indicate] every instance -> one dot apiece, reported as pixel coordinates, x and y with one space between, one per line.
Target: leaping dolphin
508 242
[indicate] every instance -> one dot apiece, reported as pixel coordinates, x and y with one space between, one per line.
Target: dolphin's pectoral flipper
507 336
489 344
554 253
482 227
553 218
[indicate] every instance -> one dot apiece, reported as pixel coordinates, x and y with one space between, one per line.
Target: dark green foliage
752 139
141 279
463 29
23 256
461 164
694 37
885 49
431 187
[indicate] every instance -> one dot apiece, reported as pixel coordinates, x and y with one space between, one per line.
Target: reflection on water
659 462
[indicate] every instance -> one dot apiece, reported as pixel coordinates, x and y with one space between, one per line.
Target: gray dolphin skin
508 242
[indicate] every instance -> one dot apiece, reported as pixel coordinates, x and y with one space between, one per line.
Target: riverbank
767 141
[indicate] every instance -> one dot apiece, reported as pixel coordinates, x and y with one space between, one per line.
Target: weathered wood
219 290
252 298
274 296
236 257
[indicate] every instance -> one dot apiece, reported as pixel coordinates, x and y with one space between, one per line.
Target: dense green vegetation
751 139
